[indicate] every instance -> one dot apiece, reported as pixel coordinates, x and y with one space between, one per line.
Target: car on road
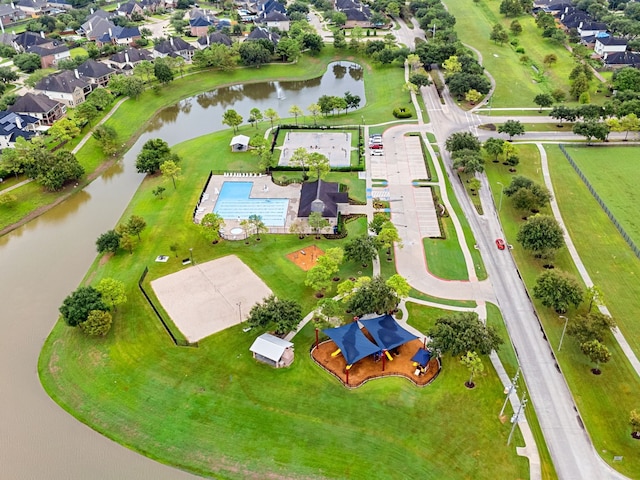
500 244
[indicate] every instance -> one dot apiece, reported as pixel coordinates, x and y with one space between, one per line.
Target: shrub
520 50
401 112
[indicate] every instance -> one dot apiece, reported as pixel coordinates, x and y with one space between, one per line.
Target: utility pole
509 390
516 416
564 329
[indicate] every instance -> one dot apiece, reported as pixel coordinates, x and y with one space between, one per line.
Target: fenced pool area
234 202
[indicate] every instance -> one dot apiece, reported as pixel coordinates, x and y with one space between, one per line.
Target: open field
604 401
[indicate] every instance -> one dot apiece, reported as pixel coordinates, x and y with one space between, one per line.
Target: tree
542 235
284 315
300 158
338 18
533 199
98 323
473 96
560 113
288 49
329 313
462 141
314 110
76 307
592 326
376 224
460 83
7 75
511 8
362 249
474 364
468 161
271 115
171 170
399 285
634 421
255 116
107 138
63 130
57 169
257 225
158 191
597 352
317 222
388 236
319 164
339 41
313 42
153 154
162 71
112 291
86 112
515 27
27 62
419 79
372 296
108 242
452 65
558 290
232 118
550 59
595 296
134 226
579 86
319 278
126 86
352 101
210 226
101 98
591 129
463 332
627 78
253 54
296 111
511 128
144 68
543 100
493 147
498 34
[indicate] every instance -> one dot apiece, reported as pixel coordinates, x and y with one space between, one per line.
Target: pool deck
263 187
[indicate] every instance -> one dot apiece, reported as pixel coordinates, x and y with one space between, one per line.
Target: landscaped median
604 401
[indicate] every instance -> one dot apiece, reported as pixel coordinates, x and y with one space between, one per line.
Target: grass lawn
78 51
444 256
614 181
444 301
604 401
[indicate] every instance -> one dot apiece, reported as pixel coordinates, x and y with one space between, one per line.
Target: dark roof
322 197
274 17
100 14
262 33
62 82
29 39
215 37
594 26
271 5
34 103
422 357
31 3
8 9
135 55
623 58
117 32
127 8
386 332
97 27
9 124
57 47
177 45
357 15
93 69
200 22
612 40
353 344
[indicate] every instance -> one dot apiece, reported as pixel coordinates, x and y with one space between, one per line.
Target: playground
306 258
336 146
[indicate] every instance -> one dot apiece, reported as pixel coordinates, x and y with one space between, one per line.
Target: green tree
511 128
590 130
595 296
634 421
515 27
597 353
153 154
543 100
493 147
134 226
284 315
376 224
317 222
63 130
126 86
463 332
27 62
329 313
210 226
372 296
57 169
232 119
255 116
549 60
338 18
627 78
560 113
146 69
253 54
162 71
399 285
170 170
452 65
314 110
362 249
112 291
107 138
318 163
296 111
498 34
579 86
288 49
98 323
86 112
101 98
300 158
271 115
468 161
257 225
558 290
474 364
592 326
388 236
339 41
318 278
462 141
76 307
473 96
542 235
158 191
108 242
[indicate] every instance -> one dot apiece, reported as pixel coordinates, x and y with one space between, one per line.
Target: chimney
171 41
2 26
126 57
209 39
118 5
41 33
18 122
92 11
110 33
75 73
13 6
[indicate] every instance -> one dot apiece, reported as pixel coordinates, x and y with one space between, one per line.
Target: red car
376 146
500 244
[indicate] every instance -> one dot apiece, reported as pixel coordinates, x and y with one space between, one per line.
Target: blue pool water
234 202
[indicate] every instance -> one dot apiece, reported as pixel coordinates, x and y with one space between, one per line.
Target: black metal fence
611 216
204 189
176 341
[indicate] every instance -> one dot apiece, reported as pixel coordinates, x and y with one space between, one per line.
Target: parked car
376 146
500 244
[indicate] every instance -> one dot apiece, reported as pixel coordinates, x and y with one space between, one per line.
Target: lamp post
509 390
501 192
516 416
191 254
564 329
240 310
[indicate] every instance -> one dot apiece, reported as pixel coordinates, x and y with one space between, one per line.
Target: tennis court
336 146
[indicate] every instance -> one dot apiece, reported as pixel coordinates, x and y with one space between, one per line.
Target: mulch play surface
306 258
368 368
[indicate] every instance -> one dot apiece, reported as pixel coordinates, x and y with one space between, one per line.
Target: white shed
272 350
239 143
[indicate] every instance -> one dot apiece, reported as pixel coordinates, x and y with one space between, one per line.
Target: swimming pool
234 203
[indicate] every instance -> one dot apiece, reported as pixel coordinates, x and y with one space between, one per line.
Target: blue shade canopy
386 332
352 342
422 357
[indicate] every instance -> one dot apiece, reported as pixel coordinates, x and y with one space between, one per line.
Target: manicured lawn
444 301
444 256
604 401
76 52
611 172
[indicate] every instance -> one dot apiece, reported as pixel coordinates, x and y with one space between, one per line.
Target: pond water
45 260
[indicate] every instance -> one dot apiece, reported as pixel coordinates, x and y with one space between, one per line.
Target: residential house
23 41
32 8
215 37
125 62
609 45
97 24
153 6
324 198
14 125
586 29
267 6
39 106
130 9
621 59
59 4
200 25
96 73
51 54
119 36
262 33
66 87
9 13
174 47
275 19
358 15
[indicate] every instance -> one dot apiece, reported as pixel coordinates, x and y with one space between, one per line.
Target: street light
516 416
564 329
501 192
509 390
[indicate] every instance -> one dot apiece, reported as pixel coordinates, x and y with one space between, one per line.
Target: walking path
626 348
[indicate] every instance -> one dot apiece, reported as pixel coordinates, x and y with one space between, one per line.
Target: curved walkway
624 345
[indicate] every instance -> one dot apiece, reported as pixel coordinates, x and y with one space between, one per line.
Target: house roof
65 82
271 5
240 140
45 51
135 55
9 124
93 69
31 4
34 103
322 197
216 37
593 26
173 45
261 33
269 346
357 15
201 21
29 39
116 33
7 9
127 8
611 41
274 16
97 27
623 58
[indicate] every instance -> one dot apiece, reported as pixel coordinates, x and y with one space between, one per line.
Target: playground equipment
336 353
